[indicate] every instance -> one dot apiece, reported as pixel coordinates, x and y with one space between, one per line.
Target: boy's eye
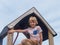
33 21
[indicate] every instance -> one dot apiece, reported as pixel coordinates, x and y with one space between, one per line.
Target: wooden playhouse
22 23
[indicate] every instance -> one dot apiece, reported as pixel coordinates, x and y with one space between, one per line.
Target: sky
12 9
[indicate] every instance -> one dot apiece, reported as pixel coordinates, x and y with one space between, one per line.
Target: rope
16 38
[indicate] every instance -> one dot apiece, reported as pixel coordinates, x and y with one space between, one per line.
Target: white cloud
19 39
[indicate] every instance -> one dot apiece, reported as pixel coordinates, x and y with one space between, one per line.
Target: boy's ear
36 22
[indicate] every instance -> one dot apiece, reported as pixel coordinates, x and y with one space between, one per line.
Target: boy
34 31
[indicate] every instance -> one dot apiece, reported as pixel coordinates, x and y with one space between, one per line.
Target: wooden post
9 39
1 41
50 36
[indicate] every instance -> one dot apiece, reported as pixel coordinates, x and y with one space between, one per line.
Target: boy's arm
18 30
41 38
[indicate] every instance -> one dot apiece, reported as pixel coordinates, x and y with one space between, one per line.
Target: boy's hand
11 31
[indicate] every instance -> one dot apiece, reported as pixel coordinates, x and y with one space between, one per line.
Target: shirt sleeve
39 28
26 30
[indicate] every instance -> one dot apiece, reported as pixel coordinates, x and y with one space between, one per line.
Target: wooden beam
9 39
50 36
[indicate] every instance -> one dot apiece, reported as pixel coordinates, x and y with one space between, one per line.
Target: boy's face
32 23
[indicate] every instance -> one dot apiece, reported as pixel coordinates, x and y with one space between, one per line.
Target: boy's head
33 21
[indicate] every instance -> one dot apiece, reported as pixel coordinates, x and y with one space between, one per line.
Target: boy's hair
33 18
